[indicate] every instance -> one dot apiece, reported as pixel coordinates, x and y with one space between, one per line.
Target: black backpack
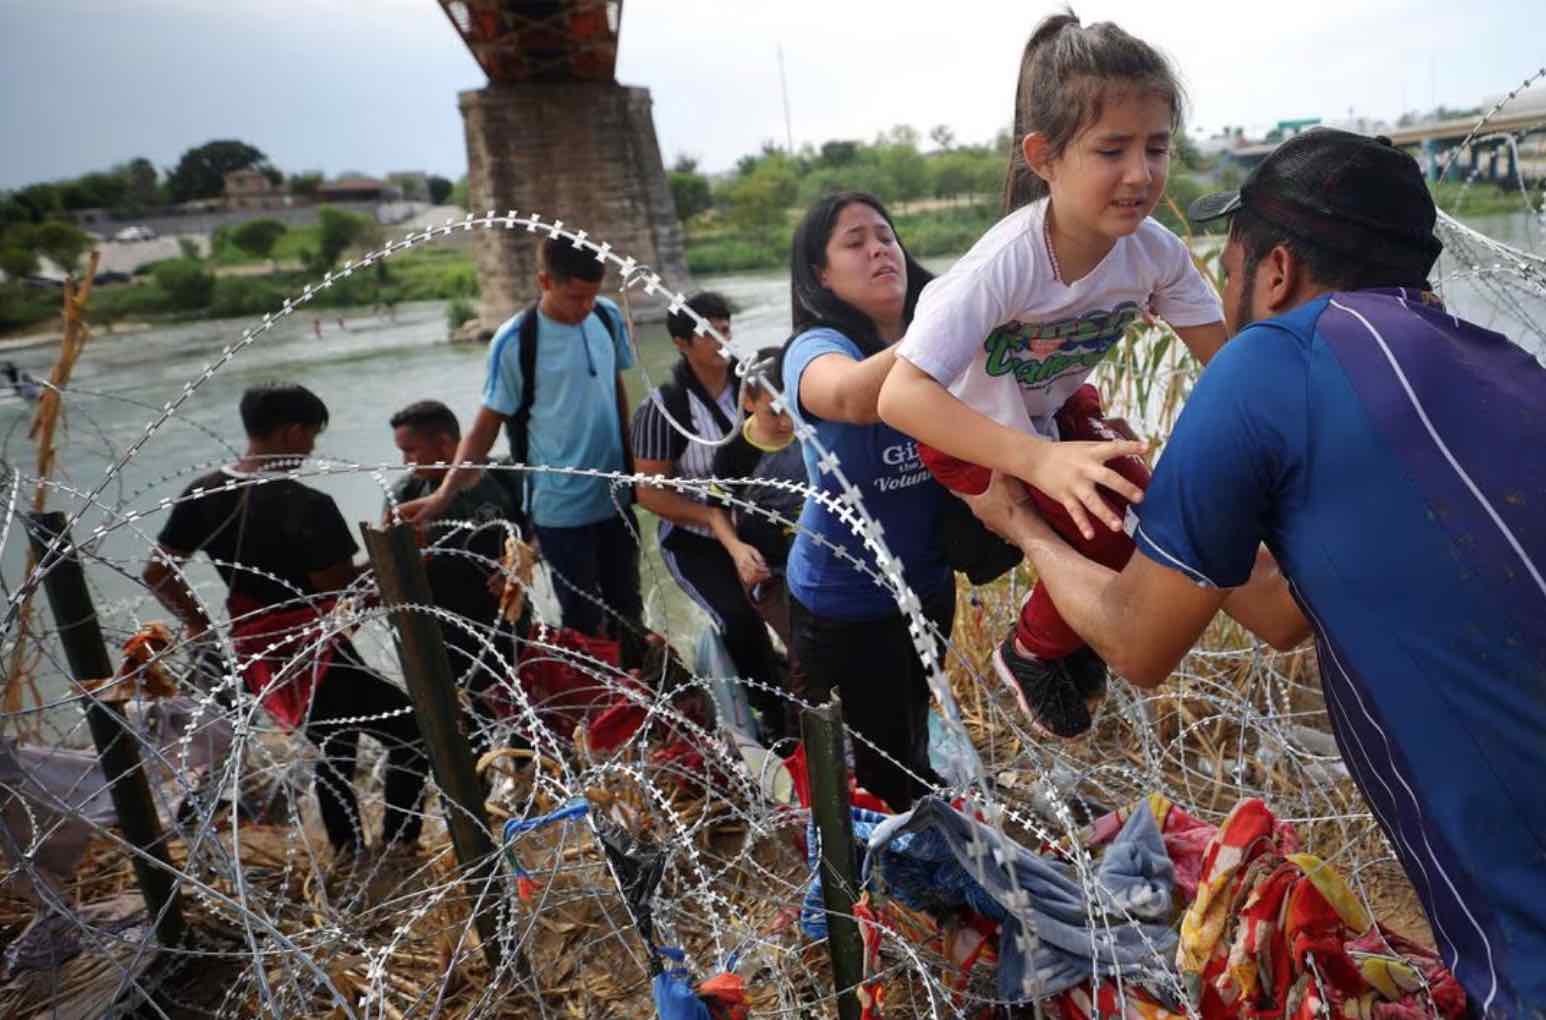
673 394
518 425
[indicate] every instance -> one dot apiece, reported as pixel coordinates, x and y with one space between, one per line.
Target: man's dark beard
1243 317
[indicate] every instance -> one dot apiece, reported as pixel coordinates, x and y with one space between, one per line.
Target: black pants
707 574
478 670
874 667
350 689
596 563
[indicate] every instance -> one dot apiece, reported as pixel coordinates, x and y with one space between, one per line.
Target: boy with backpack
555 385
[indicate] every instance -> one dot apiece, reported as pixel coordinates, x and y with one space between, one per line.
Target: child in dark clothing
764 451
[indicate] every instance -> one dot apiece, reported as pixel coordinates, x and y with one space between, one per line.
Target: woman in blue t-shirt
854 291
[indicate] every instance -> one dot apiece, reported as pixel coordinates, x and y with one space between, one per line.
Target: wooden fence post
822 729
117 744
394 554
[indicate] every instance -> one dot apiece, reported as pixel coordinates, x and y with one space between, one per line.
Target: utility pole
783 86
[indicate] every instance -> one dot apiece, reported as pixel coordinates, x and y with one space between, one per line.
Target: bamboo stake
20 676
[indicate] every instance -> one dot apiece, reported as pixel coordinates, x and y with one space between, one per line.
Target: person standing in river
286 556
555 384
698 544
462 552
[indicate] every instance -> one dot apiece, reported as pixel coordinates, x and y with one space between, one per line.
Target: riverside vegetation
944 199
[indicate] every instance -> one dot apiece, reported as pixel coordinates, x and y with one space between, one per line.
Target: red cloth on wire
284 651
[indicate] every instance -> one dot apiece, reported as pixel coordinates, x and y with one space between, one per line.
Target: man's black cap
1346 192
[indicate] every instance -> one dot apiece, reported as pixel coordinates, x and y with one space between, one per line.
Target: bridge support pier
582 152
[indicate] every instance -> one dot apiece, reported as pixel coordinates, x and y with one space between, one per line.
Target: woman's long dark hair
814 305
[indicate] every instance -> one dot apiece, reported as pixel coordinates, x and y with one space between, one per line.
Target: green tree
258 237
200 173
337 230
759 200
691 192
94 191
61 243
953 174
905 170
186 284
305 185
1186 151
459 194
839 153
988 177
16 261
943 137
141 185
685 164
439 189
40 200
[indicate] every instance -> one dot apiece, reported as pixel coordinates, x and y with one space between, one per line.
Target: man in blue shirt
1392 458
576 418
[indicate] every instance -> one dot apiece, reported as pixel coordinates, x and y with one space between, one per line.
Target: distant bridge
554 133
1431 142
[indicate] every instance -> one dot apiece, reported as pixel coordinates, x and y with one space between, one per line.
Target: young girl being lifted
991 374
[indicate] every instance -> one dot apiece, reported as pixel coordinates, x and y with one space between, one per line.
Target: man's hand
1006 509
749 564
425 509
996 505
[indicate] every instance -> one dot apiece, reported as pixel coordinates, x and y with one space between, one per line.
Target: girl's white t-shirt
1010 340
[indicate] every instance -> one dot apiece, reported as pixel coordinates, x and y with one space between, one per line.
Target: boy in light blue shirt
574 417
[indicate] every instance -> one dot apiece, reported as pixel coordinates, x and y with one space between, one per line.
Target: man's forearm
676 507
473 450
175 596
1265 606
1080 588
622 419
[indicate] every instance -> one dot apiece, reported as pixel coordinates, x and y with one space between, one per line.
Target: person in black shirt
285 553
463 548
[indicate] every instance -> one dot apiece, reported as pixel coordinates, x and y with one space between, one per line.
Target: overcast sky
371 85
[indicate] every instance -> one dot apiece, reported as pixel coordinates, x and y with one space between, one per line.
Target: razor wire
294 930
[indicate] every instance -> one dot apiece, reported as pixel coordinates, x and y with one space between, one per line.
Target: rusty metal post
117 745
822 730
394 554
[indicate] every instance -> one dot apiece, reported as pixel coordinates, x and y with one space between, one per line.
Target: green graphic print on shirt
1038 354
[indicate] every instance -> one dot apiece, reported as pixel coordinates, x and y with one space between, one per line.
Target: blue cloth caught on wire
813 911
676 998
936 858
572 809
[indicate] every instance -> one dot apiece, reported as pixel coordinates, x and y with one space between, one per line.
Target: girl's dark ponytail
1021 185
1065 73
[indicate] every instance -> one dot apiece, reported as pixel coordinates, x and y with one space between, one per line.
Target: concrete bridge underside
554 133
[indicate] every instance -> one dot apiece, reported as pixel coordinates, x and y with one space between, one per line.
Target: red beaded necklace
1046 236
